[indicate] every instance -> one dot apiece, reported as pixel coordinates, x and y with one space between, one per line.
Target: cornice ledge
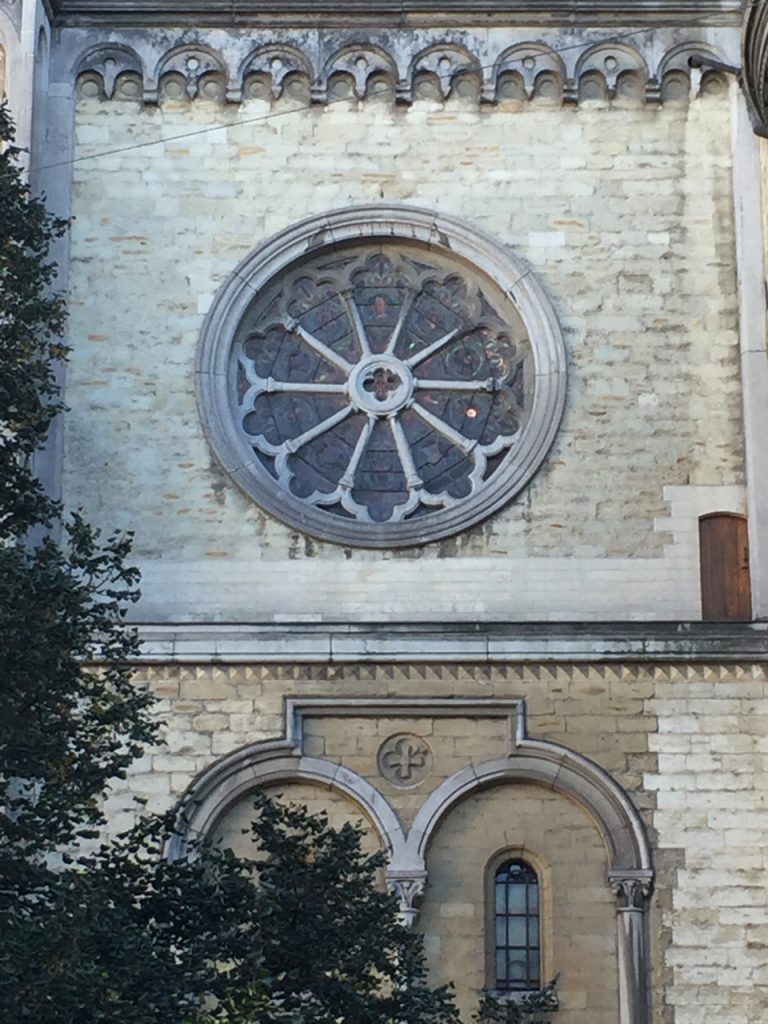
426 642
216 13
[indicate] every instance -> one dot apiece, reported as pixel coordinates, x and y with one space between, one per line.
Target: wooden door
725 586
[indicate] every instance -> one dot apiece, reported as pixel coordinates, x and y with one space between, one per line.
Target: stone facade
541 684
613 202
688 743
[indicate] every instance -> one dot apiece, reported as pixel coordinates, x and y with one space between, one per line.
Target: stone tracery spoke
462 443
410 298
294 327
357 323
412 479
321 428
270 386
430 350
454 385
347 481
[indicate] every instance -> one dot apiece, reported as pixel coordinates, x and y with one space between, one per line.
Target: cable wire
196 132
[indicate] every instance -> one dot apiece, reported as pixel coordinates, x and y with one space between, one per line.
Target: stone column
750 267
632 889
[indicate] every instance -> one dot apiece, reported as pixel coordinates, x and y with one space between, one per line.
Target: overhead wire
208 129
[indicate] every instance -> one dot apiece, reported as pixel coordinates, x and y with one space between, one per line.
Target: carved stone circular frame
376 224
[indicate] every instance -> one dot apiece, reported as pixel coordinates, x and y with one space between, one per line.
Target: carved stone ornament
404 760
409 891
381 376
109 63
631 889
406 66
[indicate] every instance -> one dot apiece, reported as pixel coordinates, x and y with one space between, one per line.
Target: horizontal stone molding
477 643
495 66
245 12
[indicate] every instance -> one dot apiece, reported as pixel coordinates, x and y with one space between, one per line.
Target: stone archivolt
755 59
329 69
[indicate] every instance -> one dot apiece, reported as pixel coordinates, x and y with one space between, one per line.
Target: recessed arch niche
232 830
564 844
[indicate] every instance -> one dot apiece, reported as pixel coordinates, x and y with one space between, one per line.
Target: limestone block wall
687 742
622 211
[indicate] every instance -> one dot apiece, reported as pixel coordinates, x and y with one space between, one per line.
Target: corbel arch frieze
445 63
494 65
359 61
676 64
277 62
192 62
614 62
108 62
529 62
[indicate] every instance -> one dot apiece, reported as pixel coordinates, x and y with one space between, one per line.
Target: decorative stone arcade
630 872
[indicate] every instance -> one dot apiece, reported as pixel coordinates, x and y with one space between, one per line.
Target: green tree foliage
300 934
328 934
526 1008
66 729
115 933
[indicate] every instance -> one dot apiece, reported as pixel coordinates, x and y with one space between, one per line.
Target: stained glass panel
382 386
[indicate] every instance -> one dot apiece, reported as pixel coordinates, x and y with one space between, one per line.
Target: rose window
377 392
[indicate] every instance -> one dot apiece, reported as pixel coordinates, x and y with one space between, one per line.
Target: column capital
408 887
631 888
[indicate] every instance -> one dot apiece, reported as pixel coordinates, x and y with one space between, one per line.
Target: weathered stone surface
614 209
688 742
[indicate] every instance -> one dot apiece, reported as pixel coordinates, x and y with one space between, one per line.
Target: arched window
516 927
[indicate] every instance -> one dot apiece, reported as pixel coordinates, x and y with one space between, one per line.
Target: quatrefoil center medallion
381 385
381 382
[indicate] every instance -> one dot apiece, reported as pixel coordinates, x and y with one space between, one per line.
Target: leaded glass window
380 391
516 927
